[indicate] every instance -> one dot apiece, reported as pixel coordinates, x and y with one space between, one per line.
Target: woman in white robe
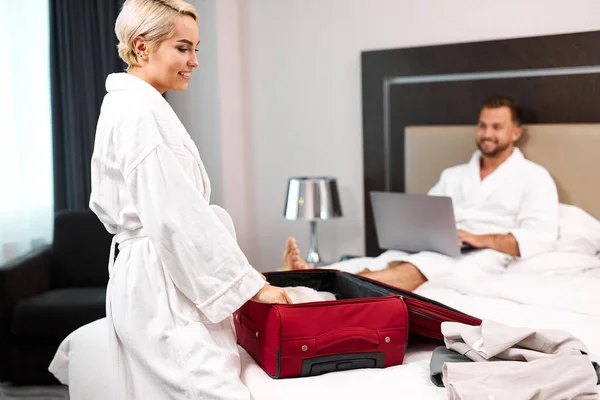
179 273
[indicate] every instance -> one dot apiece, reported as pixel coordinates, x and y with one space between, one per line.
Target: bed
556 290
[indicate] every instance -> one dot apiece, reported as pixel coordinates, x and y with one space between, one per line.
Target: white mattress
81 364
565 302
408 381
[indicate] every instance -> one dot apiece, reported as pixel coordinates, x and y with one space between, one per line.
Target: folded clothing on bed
566 377
495 341
442 355
514 363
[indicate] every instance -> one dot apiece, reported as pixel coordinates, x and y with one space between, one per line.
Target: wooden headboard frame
556 79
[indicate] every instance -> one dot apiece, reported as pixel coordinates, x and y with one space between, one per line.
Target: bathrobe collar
514 159
124 81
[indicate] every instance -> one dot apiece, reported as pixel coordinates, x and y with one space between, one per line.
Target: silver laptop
416 222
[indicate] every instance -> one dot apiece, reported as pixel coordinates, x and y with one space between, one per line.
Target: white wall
301 89
199 106
212 109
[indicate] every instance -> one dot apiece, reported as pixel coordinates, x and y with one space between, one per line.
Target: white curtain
26 186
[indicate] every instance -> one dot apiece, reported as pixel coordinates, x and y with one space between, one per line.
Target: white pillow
579 232
81 362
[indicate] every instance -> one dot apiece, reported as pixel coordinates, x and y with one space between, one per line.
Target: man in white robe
505 206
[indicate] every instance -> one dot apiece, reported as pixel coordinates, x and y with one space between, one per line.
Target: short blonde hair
151 19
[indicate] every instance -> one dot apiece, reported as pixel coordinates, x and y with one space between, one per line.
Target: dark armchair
48 293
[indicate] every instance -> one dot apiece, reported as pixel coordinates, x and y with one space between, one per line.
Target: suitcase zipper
342 301
426 305
437 312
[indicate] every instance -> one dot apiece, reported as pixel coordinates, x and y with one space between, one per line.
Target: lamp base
314 258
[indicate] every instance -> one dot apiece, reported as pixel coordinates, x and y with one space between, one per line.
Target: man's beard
494 152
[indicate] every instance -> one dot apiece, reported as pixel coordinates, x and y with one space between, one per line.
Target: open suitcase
366 327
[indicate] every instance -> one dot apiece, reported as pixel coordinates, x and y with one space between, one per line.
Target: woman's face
170 64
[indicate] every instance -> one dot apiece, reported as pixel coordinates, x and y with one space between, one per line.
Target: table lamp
312 199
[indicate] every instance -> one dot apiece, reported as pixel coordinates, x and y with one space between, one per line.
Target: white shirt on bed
519 197
517 363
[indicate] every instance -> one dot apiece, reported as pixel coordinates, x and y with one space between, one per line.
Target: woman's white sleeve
198 252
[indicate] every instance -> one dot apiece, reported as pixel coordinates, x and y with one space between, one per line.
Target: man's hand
477 241
503 243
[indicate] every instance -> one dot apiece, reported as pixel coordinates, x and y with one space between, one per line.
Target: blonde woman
179 273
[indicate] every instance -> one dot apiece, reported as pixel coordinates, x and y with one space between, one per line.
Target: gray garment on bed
440 356
527 363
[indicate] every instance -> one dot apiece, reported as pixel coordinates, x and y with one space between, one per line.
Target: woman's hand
272 295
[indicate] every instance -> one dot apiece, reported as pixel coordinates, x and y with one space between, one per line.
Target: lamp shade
312 199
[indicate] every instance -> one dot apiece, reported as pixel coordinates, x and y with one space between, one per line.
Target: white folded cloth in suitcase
302 294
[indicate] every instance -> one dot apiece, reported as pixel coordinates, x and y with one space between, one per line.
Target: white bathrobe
179 274
519 197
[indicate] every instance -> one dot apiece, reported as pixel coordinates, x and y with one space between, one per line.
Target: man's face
496 131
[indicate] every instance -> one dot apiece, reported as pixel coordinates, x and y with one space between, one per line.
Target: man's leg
402 275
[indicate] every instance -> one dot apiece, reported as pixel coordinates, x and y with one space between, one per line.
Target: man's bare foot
291 257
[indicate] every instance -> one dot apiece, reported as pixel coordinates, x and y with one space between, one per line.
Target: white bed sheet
408 381
81 364
564 302
411 380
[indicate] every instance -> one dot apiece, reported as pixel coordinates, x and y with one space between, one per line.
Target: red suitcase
425 316
366 327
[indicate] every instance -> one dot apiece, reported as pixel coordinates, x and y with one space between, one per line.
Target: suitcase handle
352 338
341 362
